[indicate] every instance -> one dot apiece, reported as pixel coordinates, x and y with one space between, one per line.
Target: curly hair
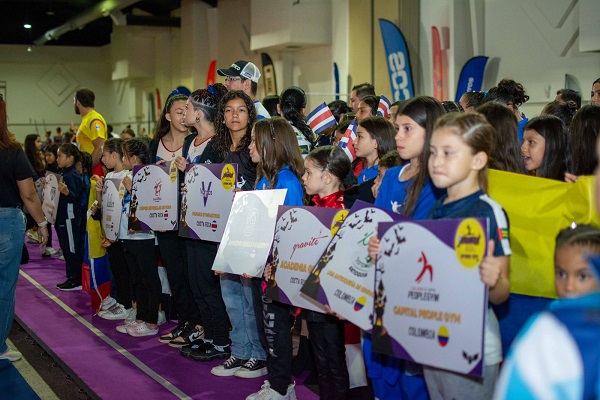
508 91
222 141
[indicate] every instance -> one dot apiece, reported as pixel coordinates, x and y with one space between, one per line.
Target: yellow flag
94 228
538 209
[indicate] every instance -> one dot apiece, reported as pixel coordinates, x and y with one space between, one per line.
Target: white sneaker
132 314
117 311
162 318
228 368
32 237
141 329
11 355
49 252
107 303
266 393
126 324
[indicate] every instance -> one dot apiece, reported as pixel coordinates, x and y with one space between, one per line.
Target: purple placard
206 201
154 198
435 314
344 275
301 235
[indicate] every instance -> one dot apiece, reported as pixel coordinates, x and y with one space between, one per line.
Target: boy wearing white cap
244 76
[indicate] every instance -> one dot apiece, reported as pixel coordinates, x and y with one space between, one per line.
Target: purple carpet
112 364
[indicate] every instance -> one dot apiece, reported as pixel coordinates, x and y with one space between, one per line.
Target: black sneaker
173 334
209 353
229 368
253 368
58 285
69 286
189 336
199 345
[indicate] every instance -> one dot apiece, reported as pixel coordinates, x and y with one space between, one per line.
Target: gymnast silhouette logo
157 187
426 268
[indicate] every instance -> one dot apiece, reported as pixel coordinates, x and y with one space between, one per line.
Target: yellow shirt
93 126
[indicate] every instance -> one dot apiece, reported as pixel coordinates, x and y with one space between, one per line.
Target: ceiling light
27 26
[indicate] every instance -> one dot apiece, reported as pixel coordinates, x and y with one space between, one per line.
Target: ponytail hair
476 133
136 147
292 101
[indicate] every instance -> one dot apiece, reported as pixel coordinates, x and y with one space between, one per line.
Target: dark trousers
71 243
277 327
174 258
118 266
206 290
329 350
143 270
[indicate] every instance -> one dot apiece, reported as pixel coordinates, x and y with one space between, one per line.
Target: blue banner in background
398 61
471 76
336 78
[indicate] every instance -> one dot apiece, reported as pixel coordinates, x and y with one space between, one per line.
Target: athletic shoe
61 257
141 329
32 237
253 368
176 332
11 355
59 253
198 345
229 368
126 324
190 335
107 303
132 314
49 252
69 286
266 393
162 318
116 312
210 353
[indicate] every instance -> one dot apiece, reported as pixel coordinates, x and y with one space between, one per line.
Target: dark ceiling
44 15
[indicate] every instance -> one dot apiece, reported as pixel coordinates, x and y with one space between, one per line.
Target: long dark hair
70 150
164 126
556 160
276 142
382 131
424 110
506 155
6 138
333 160
222 141
292 101
583 133
34 155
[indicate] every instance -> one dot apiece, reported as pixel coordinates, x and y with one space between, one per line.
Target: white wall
524 36
40 85
532 39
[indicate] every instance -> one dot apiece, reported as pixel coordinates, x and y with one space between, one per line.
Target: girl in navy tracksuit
69 219
460 148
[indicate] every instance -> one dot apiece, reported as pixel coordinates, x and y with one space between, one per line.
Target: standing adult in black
16 181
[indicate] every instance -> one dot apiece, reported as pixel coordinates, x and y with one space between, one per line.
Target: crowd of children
427 161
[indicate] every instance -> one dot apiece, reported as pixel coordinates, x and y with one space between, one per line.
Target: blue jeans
12 236
239 302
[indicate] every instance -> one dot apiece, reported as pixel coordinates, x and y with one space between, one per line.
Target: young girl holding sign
459 148
140 255
233 126
325 170
69 217
112 157
374 138
274 147
406 190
